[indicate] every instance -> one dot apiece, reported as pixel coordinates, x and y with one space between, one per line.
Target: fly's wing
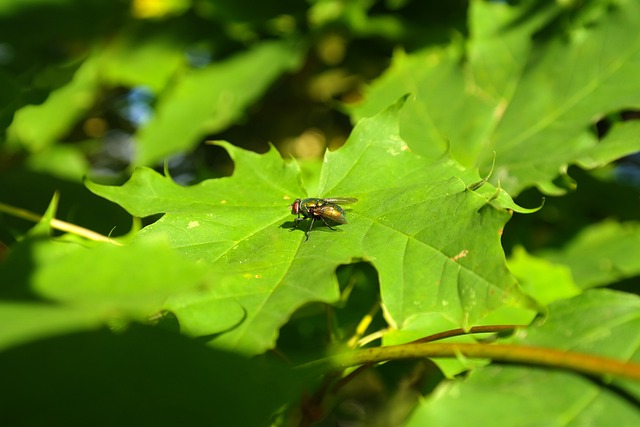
333 212
341 200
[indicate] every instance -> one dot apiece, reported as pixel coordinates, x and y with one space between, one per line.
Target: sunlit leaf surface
434 242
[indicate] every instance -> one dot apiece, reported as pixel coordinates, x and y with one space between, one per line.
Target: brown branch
580 362
473 330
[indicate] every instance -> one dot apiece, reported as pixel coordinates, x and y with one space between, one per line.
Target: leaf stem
474 330
580 362
58 224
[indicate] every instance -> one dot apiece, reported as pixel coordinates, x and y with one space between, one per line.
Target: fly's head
295 207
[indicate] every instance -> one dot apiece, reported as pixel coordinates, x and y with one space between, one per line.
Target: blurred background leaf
519 94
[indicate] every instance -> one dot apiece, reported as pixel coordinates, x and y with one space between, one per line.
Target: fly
322 209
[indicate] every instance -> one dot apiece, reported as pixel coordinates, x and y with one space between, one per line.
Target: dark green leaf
142 376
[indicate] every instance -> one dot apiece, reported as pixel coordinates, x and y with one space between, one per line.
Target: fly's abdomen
333 212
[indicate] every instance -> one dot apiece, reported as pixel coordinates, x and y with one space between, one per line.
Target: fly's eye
295 207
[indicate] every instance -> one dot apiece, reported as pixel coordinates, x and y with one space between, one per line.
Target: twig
580 362
58 224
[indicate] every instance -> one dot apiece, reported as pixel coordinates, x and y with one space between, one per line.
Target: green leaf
621 140
545 281
37 127
601 254
147 273
93 285
141 60
27 322
210 99
597 322
508 94
61 161
434 242
509 396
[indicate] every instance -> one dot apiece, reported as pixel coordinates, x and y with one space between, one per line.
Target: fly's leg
325 223
313 219
296 221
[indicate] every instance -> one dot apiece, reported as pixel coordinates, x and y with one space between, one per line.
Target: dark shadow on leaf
207 338
141 376
304 227
617 389
16 271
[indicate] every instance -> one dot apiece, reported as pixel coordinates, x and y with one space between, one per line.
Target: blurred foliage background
96 88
